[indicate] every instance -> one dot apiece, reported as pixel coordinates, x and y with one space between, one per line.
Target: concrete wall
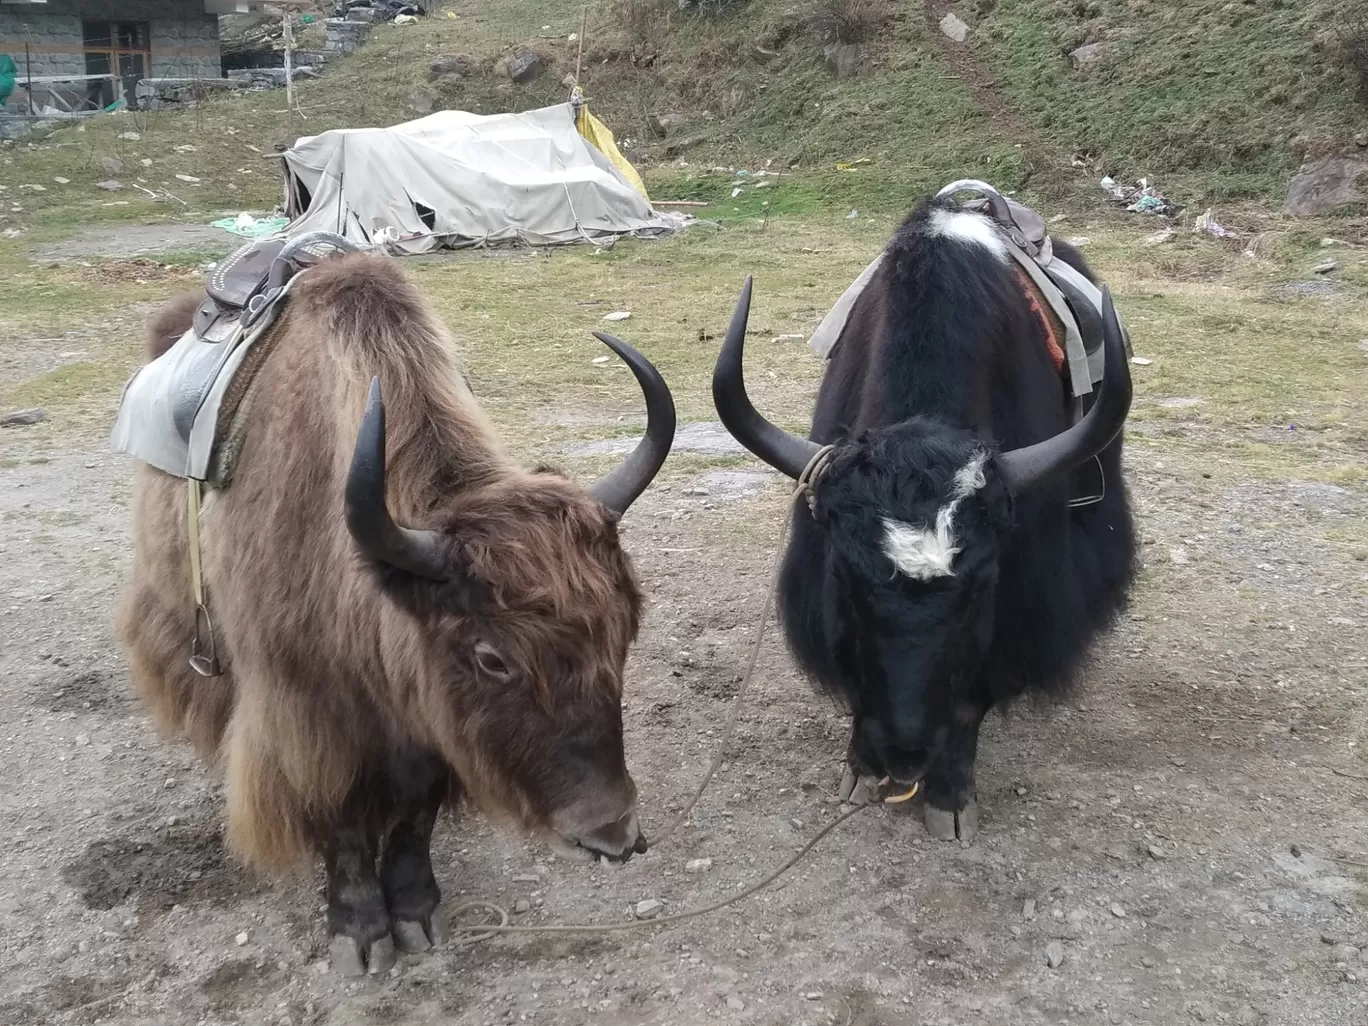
184 39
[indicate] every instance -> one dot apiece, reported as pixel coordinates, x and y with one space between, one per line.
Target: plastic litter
250 227
1207 223
1140 198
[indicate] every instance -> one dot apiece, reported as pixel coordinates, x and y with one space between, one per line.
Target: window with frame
122 49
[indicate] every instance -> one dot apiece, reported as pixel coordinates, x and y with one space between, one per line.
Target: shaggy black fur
942 358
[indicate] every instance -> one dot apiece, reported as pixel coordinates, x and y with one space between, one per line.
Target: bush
1352 42
849 21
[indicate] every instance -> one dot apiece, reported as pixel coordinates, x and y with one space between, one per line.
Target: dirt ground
1190 829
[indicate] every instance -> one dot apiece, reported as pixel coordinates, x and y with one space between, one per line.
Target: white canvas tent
454 179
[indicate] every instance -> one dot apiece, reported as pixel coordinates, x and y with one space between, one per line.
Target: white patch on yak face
967 226
924 553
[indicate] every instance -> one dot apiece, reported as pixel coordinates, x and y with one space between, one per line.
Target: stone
764 54
649 909
450 64
1028 908
24 418
698 865
1327 267
1361 139
421 101
523 67
1157 853
129 136
109 186
1324 185
954 28
617 315
1054 954
1118 911
662 125
522 906
845 60
736 1004
1086 56
242 938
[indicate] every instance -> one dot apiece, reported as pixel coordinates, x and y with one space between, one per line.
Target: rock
129 136
617 315
524 66
1054 954
521 906
450 64
649 909
421 101
1327 267
736 1004
662 124
1178 557
82 740
111 165
1157 853
1361 139
170 783
1118 911
242 938
1086 56
1028 908
698 865
845 60
954 28
109 186
24 418
1326 184
764 54
1332 939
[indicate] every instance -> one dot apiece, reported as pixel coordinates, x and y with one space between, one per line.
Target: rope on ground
805 489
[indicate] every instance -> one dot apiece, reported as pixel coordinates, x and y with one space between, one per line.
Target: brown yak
375 672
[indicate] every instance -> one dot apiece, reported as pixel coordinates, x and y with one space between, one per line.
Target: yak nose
616 839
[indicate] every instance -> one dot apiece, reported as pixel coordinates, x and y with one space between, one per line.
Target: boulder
662 125
845 60
450 64
524 66
1323 185
111 165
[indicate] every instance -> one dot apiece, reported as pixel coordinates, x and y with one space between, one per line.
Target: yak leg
951 809
420 786
358 923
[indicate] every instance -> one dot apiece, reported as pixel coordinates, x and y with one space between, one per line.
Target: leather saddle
178 412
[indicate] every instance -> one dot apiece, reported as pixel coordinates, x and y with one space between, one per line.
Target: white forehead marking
967 226
923 553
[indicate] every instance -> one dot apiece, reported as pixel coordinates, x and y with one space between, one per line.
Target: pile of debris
1140 197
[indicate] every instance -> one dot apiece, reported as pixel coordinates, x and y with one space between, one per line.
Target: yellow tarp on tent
598 134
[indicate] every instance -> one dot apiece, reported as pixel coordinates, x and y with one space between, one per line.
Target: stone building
95 51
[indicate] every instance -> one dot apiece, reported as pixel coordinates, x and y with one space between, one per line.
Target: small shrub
710 8
1351 38
849 21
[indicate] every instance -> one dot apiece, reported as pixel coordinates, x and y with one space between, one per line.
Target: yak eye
490 661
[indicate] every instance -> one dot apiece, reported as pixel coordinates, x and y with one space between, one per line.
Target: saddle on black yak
1060 293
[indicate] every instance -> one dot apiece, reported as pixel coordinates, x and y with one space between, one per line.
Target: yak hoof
410 937
857 790
438 930
944 825
350 958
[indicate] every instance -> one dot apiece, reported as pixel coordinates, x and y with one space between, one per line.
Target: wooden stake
290 105
584 14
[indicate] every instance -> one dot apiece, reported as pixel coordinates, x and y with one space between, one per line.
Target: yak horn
368 516
782 451
620 487
1034 464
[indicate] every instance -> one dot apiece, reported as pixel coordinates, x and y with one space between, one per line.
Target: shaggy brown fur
332 663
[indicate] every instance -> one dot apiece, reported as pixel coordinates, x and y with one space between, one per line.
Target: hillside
1217 101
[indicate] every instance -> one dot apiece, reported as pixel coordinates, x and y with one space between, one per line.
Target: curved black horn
620 487
368 517
1032 464
781 450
